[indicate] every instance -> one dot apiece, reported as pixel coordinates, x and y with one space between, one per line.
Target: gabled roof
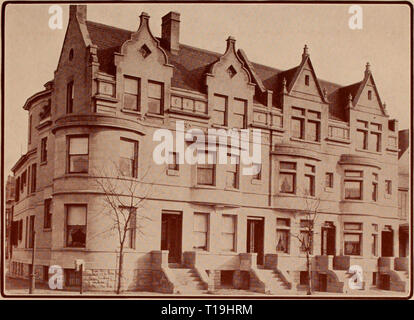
191 64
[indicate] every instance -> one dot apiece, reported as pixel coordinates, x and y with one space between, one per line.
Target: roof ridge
109 26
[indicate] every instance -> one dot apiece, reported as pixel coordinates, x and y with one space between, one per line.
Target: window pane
376 141
78 145
200 240
312 131
309 185
205 175
283 222
298 112
282 241
297 128
353 190
238 121
227 242
200 222
329 179
130 101
228 223
220 103
287 182
362 124
314 115
219 117
76 215
352 244
350 173
78 164
127 149
288 165
361 139
154 90
239 106
131 86
154 106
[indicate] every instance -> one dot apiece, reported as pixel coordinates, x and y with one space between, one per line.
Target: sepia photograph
207 150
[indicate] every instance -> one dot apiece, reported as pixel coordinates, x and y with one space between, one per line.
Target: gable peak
305 53
231 44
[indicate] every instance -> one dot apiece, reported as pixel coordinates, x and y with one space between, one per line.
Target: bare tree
307 234
123 200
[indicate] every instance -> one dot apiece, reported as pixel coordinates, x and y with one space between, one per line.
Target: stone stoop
274 283
187 281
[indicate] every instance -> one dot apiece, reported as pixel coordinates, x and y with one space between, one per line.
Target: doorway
323 282
328 239
171 235
403 241
387 243
255 238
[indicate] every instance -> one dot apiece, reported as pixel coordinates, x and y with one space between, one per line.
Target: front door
255 232
387 243
328 240
171 236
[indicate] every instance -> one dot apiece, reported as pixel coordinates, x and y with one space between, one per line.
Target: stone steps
274 282
187 281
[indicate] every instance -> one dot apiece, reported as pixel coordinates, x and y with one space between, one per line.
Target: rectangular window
17 190
362 139
132 93
312 131
76 226
128 158
78 154
306 243
287 177
352 244
23 181
174 165
374 249
130 232
220 110
282 235
33 178
376 141
155 100
200 231
258 168
228 234
309 180
47 214
239 120
206 173
31 229
374 187
369 94
402 204
232 173
306 80
43 150
353 190
297 128
329 183
30 129
69 97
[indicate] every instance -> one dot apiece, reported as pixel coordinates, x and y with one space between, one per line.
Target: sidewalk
21 287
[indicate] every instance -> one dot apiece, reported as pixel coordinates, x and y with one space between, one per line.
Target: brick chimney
78 11
170 32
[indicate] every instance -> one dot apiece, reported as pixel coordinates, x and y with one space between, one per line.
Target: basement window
226 278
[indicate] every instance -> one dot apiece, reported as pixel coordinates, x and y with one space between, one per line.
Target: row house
321 143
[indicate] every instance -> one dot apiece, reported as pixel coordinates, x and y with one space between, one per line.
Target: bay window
353 185
287 177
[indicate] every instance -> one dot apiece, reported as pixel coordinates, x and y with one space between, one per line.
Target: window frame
304 118
47 214
329 180
290 172
43 150
135 160
352 231
68 155
359 179
234 233
132 230
160 99
70 96
283 229
66 224
312 179
137 95
236 173
207 166
243 115
216 110
207 232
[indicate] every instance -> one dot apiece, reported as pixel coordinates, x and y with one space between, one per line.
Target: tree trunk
308 291
120 267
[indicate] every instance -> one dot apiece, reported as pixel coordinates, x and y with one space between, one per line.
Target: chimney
78 11
170 32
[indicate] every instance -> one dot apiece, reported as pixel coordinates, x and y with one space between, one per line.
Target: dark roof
403 141
191 64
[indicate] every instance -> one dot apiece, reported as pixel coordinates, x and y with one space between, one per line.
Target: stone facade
320 142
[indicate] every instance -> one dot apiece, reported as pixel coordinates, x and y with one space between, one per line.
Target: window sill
133 112
101 96
257 181
74 249
329 189
205 186
354 200
171 172
47 229
305 141
43 163
283 254
339 140
154 115
219 126
232 189
285 194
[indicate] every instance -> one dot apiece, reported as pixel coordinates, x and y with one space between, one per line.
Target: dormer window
369 95
307 80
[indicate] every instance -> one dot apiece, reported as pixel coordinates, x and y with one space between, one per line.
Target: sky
270 34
